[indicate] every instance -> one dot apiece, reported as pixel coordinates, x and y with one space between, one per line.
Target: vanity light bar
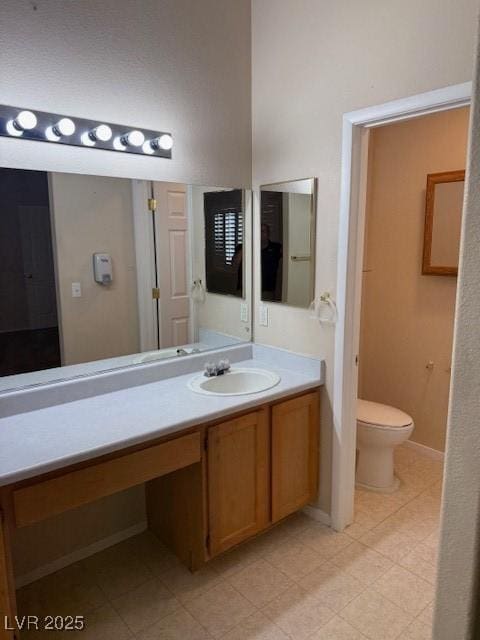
26 124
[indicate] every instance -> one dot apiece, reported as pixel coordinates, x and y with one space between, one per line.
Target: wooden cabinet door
295 454
238 480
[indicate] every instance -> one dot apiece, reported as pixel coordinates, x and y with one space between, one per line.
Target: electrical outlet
263 315
76 290
244 312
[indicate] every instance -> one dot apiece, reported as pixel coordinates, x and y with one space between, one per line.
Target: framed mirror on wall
98 273
287 233
443 221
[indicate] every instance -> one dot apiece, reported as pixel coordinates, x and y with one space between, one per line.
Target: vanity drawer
50 497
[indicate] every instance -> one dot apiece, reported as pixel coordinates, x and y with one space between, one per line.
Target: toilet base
394 487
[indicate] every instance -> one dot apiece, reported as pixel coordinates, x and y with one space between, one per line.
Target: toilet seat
381 416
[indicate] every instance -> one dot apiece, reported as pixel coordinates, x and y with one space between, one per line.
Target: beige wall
94 215
312 62
407 317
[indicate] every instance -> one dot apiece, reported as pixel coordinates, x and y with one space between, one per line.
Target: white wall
457 602
176 65
311 62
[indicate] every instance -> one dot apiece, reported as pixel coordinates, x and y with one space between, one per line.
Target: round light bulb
147 147
102 133
25 120
118 144
51 135
12 129
165 142
64 127
133 138
87 140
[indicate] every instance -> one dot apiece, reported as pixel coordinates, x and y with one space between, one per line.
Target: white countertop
42 440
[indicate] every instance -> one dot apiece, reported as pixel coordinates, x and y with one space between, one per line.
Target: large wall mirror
287 229
99 272
443 222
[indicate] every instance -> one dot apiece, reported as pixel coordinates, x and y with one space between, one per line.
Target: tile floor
300 580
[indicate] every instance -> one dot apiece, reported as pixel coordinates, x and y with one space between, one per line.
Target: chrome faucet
216 369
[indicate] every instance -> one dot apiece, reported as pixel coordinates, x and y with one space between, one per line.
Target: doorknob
29 276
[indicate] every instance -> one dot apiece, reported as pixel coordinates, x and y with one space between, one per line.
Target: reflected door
171 228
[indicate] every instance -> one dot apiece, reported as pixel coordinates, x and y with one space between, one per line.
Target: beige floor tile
220 609
294 559
237 559
325 541
271 539
146 604
363 563
187 585
260 582
375 616
295 523
149 550
422 562
388 540
177 626
337 629
406 590
70 591
104 623
332 586
298 614
256 627
416 631
115 575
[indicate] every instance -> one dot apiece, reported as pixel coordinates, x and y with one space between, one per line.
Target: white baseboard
428 452
317 514
79 554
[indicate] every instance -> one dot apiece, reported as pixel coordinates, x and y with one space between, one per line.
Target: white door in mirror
236 382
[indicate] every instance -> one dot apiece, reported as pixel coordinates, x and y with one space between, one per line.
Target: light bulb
64 127
51 135
164 142
133 138
25 120
87 140
148 148
118 144
102 133
12 130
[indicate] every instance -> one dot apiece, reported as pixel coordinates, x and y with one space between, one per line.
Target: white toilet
380 429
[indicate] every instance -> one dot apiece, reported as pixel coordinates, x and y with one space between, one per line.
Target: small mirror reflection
287 232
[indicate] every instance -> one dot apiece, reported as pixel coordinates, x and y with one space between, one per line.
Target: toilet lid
381 414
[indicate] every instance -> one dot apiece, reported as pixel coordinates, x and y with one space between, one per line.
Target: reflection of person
237 266
271 266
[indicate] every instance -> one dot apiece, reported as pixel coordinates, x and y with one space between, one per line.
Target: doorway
356 126
29 333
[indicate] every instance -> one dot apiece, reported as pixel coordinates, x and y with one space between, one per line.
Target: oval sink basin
235 382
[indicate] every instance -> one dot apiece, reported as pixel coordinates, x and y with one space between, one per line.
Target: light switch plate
76 290
263 315
244 312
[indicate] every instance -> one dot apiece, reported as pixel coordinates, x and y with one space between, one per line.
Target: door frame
356 125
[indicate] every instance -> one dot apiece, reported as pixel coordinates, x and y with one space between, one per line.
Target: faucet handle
224 365
210 369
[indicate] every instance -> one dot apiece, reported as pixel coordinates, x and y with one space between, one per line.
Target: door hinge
152 204
156 293
356 360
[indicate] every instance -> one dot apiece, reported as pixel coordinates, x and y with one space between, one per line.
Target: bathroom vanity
217 469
